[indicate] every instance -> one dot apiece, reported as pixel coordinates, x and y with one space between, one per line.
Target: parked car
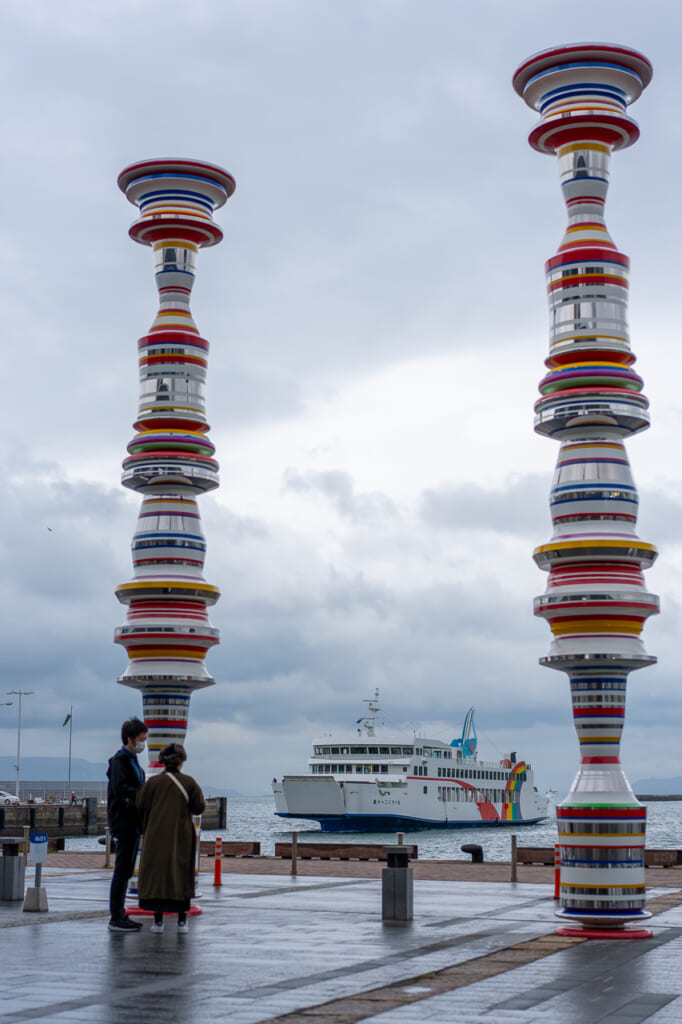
8 798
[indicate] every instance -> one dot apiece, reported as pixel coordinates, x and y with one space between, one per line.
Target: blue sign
37 851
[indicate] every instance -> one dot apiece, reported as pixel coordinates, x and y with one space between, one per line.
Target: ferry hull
393 823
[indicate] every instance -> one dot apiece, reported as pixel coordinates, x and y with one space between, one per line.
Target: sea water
253 819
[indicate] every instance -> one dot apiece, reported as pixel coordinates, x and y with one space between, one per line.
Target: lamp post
19 694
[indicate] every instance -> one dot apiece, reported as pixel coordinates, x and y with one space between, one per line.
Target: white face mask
139 748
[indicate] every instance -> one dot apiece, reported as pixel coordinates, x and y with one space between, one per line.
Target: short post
36 897
557 871
294 853
513 858
218 861
397 880
196 821
107 846
401 836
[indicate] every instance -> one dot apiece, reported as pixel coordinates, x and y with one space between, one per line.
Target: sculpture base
589 926
138 912
603 933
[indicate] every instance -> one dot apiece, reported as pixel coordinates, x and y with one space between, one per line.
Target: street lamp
19 694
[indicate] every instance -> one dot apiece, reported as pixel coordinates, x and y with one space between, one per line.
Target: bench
230 849
545 855
535 855
338 851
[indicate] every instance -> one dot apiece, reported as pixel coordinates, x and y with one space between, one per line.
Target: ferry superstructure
364 782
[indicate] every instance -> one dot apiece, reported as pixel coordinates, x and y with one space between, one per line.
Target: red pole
557 871
218 862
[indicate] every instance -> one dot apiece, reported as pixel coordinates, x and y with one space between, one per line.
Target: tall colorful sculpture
170 461
596 602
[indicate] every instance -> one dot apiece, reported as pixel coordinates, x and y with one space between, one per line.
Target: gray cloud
339 488
388 208
520 506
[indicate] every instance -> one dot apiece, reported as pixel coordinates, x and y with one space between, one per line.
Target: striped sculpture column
596 602
170 462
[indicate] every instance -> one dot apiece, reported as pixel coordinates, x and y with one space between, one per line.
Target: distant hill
658 787
56 769
52 769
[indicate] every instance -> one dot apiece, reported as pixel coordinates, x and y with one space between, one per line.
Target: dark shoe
124 925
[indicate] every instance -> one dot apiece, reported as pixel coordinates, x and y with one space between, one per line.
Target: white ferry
364 782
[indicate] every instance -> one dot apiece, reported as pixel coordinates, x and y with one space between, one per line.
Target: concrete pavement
314 949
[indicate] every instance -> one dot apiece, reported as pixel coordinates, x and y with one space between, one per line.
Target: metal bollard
397 880
475 850
294 853
513 858
218 861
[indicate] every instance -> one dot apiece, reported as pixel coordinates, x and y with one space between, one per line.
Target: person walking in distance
126 777
167 803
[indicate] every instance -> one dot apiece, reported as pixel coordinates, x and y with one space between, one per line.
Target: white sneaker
157 928
183 926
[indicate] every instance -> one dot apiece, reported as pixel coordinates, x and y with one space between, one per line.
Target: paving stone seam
363 967
293 888
104 998
446 979
463 974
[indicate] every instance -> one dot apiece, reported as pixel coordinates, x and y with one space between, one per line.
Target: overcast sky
378 326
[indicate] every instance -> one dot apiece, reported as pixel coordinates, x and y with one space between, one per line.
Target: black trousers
124 865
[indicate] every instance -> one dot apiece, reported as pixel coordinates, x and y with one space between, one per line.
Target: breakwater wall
86 819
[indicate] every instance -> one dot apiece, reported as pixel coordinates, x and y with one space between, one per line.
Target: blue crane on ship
467 741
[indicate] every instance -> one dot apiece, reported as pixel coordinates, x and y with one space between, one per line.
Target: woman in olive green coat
166 803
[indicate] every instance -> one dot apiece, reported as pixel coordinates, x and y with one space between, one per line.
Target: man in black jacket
125 778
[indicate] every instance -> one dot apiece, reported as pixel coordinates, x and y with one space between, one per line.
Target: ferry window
335 750
358 750
426 789
384 768
384 750
404 768
436 753
397 750
415 769
344 750
372 750
318 750
408 751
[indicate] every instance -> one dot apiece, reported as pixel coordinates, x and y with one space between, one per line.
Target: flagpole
70 728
